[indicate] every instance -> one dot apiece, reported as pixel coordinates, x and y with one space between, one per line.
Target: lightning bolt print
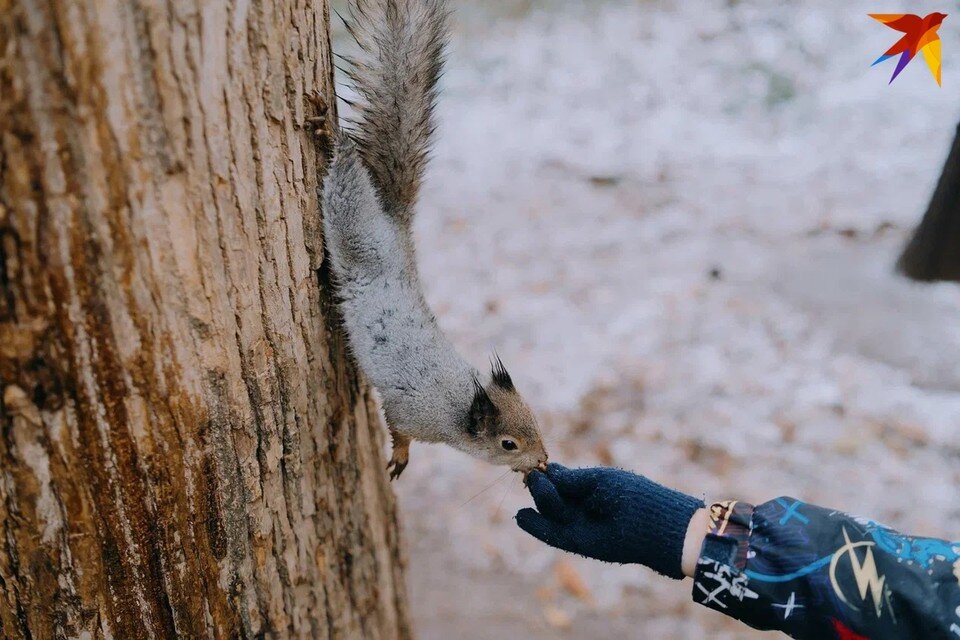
865 574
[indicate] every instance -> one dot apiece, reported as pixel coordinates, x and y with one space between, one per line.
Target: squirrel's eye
509 445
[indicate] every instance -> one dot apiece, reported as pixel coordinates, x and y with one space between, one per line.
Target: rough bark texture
934 251
185 450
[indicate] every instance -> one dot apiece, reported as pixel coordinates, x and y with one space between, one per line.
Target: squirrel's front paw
401 454
398 463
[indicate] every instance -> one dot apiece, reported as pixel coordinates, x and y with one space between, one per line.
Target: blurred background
677 223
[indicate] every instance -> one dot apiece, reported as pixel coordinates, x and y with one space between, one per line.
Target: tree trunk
185 450
934 251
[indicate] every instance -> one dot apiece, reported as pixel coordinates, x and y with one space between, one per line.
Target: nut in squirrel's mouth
542 467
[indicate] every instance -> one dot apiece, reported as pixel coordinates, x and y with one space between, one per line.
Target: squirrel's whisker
502 498
486 488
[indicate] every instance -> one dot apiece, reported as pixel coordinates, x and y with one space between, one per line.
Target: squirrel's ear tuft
482 411
500 376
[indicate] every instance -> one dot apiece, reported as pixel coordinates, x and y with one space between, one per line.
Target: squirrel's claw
401 454
318 123
397 468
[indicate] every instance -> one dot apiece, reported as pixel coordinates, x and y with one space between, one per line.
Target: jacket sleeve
813 572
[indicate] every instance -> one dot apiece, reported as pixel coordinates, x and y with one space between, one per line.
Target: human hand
611 515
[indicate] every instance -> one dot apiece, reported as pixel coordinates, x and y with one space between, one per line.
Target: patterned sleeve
817 573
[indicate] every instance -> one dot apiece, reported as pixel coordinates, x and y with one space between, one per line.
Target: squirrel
428 391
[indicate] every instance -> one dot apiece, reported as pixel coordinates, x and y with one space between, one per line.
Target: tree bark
934 251
185 450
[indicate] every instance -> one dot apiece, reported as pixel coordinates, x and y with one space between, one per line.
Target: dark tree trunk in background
185 451
934 251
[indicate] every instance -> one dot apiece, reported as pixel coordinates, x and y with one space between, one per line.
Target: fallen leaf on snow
570 581
557 617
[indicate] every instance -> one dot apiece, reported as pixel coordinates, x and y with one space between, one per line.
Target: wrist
693 541
663 541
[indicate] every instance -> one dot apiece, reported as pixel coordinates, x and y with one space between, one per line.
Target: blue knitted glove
609 514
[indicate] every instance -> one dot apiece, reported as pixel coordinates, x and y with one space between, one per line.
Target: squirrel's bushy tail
402 43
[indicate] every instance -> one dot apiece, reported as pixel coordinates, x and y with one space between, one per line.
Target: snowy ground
676 222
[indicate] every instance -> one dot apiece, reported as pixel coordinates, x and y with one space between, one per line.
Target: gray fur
428 391
403 45
425 386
